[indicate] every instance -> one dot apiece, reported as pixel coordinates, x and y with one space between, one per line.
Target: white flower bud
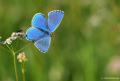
22 57
8 41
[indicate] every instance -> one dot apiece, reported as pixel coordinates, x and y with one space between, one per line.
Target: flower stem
23 71
15 66
14 61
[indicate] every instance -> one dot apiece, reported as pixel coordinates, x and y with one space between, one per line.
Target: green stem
14 61
23 71
22 48
15 66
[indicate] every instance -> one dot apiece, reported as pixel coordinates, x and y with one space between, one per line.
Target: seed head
22 57
13 37
8 41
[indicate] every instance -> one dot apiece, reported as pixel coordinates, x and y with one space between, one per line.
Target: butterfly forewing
54 19
39 21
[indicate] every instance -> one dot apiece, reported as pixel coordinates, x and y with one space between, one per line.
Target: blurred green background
84 47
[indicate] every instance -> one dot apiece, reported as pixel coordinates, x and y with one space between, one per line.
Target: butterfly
42 28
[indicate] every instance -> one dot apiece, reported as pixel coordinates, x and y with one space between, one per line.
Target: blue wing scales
39 21
43 44
54 19
33 34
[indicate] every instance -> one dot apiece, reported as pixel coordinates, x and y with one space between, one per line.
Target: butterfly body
42 28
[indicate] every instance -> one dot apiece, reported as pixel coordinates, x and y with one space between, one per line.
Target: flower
22 57
8 41
14 36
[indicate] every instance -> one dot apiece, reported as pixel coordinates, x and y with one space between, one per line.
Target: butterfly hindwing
34 34
39 21
54 19
43 44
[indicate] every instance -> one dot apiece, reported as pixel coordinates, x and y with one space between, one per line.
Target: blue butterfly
42 28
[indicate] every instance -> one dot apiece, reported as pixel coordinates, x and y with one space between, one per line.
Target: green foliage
81 47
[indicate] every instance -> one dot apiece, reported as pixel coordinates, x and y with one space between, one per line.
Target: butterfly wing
33 34
43 44
54 19
39 21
